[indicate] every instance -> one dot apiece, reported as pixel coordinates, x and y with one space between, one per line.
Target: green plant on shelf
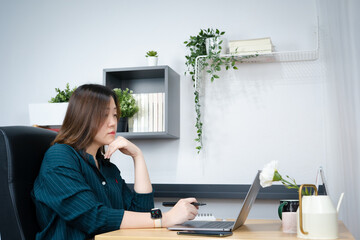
127 102
62 95
212 62
151 54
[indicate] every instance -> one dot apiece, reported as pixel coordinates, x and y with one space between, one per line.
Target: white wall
275 111
48 44
340 37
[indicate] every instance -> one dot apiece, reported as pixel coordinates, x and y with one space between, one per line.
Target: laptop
224 226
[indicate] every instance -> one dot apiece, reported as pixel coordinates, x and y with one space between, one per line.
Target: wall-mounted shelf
157 79
289 56
285 56
146 135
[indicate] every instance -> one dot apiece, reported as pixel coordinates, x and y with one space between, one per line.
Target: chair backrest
21 152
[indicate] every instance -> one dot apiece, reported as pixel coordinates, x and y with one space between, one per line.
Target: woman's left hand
124 145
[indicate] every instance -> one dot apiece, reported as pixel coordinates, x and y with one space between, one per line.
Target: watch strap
157 223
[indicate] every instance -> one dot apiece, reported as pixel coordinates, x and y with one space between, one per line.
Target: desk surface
253 229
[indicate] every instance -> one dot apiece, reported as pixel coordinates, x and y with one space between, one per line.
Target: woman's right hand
124 145
180 213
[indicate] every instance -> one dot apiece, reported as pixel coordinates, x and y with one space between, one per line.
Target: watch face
155 213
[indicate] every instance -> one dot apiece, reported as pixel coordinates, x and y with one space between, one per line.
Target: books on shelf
251 46
151 115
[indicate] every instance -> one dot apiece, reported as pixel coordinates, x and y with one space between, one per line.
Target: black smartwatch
156 216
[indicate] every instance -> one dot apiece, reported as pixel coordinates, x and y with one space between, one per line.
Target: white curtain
340 52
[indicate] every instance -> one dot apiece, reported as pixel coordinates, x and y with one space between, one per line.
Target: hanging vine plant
211 61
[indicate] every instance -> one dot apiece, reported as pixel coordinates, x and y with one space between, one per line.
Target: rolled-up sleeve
138 202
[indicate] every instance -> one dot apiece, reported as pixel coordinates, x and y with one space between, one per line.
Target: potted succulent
128 108
152 57
52 113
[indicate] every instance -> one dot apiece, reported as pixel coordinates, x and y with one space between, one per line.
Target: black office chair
21 152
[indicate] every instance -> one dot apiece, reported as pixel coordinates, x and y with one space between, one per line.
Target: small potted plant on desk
152 57
128 108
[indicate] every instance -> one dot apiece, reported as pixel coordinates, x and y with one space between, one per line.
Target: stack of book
151 115
251 46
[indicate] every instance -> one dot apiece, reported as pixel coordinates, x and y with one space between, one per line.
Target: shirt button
103 183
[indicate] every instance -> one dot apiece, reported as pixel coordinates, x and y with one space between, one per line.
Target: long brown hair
84 116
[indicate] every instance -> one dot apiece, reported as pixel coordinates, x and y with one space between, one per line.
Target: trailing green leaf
197 47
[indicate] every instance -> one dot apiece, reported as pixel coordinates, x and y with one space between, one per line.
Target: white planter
213 45
47 114
152 61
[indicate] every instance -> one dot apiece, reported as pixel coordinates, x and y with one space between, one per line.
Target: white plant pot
152 61
213 45
47 114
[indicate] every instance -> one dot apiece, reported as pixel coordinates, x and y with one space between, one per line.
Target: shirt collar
90 158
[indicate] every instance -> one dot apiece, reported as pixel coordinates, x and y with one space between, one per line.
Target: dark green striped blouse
75 200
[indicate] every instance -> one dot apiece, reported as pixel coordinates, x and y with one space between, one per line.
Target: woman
79 192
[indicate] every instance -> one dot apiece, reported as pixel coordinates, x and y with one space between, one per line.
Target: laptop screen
248 202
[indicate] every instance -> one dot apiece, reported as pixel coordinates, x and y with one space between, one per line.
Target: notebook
225 226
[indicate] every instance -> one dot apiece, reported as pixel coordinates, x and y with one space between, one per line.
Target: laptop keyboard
211 224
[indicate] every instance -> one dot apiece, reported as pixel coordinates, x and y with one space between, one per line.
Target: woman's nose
112 122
